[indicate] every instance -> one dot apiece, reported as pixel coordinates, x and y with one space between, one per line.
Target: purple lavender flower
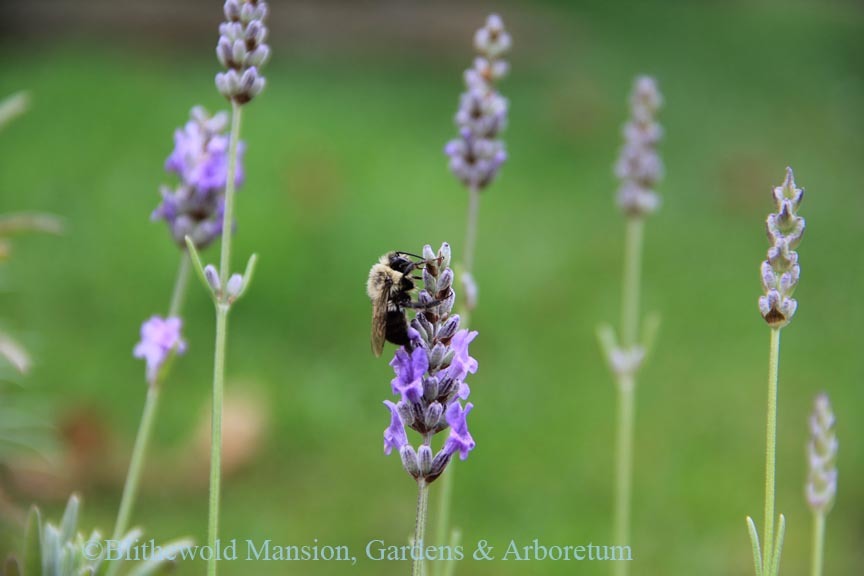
430 374
394 435
200 155
478 153
460 439
159 337
409 370
242 50
639 166
196 206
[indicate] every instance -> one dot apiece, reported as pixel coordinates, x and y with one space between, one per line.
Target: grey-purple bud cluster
639 166
478 153
242 50
430 377
822 456
780 271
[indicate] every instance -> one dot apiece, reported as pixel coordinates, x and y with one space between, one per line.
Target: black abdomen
397 328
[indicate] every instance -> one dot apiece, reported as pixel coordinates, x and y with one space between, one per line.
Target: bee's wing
379 321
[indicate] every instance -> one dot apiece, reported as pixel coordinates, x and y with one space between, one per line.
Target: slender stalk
442 524
179 293
142 440
632 281
228 218
471 229
216 433
626 384
420 527
624 465
222 309
771 450
818 543
133 476
470 246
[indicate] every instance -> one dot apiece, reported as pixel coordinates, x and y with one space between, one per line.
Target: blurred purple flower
195 208
477 154
822 450
639 166
242 49
200 156
159 337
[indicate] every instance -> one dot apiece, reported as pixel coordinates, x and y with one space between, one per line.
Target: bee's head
400 262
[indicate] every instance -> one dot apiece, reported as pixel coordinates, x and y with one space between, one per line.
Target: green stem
420 527
222 309
442 524
624 466
471 228
627 387
216 433
470 249
771 451
818 543
136 465
142 440
179 293
228 218
632 281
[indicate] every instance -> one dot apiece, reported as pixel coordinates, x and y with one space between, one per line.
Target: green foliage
61 550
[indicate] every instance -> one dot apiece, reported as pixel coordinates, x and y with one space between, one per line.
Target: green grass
345 162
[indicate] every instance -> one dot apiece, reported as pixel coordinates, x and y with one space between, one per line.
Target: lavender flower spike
159 338
430 377
242 50
822 456
780 271
478 153
639 166
196 206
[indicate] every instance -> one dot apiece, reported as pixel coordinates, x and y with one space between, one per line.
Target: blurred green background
345 162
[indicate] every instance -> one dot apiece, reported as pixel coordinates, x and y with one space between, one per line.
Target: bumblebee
389 287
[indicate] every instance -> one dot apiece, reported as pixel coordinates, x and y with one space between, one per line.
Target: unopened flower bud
424 459
212 276
235 285
409 460
448 328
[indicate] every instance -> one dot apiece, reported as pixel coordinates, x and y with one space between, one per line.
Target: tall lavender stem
771 445
417 567
639 168
242 51
476 157
780 273
471 233
222 309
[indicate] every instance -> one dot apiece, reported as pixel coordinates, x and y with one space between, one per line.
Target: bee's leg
421 305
